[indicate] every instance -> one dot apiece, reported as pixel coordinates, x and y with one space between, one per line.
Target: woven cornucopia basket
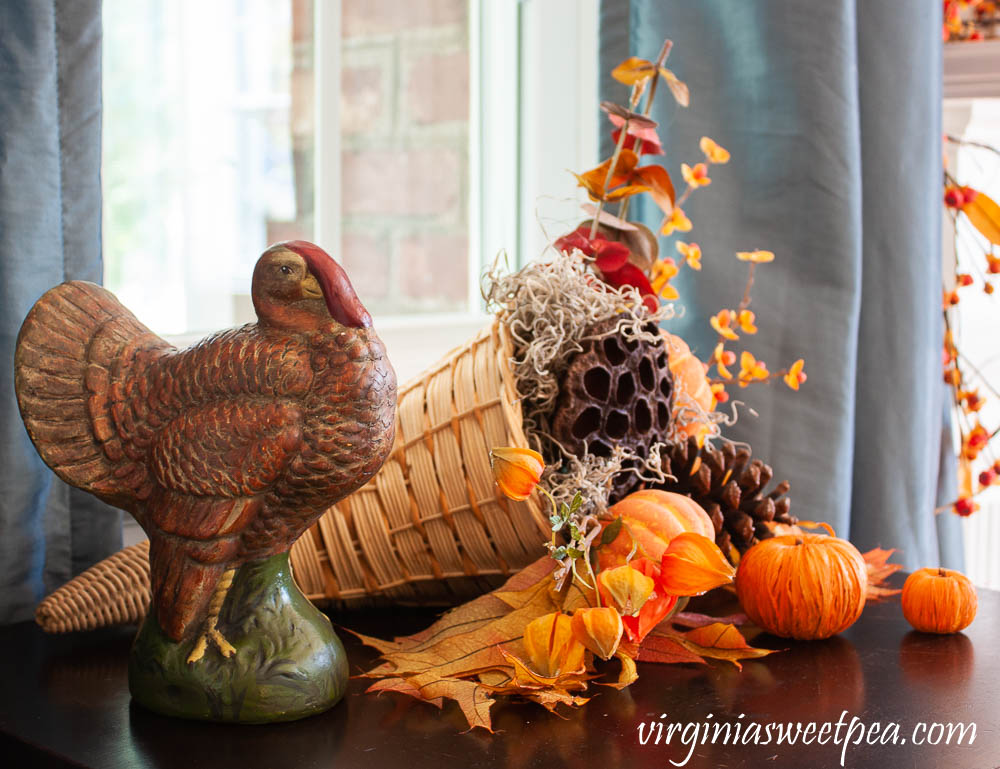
430 528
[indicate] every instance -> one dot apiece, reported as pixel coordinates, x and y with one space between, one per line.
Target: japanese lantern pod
805 586
939 601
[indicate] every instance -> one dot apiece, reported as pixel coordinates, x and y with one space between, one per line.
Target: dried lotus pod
615 392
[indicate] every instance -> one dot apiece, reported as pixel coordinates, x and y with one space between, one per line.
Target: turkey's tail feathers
182 587
67 349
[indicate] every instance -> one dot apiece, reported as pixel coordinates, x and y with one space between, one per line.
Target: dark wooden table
64 702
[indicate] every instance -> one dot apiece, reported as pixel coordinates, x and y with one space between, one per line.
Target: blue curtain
50 231
832 114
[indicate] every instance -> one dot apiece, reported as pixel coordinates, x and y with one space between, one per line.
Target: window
972 113
419 138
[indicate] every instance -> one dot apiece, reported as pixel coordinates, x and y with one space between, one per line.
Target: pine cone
615 392
730 486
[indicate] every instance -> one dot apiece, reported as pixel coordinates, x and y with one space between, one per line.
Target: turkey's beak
310 287
329 280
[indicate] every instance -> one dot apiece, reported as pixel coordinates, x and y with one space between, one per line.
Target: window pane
405 133
200 167
209 151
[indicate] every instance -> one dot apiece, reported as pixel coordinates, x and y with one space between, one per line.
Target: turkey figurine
227 451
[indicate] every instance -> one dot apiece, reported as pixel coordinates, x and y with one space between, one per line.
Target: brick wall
404 137
404 118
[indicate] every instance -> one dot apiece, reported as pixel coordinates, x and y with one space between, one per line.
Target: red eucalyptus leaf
611 256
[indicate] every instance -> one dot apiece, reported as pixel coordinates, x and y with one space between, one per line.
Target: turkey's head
297 286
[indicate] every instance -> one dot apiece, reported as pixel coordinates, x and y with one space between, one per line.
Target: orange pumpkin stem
798 541
941 572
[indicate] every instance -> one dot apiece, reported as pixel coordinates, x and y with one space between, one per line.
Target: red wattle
341 300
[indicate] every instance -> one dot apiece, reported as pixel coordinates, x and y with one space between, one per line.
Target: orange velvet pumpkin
653 518
692 392
939 600
802 586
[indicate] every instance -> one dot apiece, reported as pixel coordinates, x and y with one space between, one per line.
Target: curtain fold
832 114
50 231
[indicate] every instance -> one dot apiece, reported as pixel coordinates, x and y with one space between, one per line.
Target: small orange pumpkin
692 391
653 517
805 586
939 600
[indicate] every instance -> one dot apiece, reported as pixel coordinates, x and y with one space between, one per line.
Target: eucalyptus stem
664 52
745 302
608 177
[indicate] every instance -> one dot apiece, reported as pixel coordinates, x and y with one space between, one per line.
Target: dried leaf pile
476 652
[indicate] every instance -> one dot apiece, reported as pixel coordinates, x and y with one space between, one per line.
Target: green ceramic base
288 663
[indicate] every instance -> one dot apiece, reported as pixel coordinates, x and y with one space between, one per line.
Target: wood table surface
64 702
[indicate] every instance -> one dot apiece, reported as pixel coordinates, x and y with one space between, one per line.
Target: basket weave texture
430 528
112 592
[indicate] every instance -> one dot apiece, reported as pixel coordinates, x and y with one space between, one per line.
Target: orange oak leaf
722 642
879 570
472 698
663 647
552 698
477 651
984 214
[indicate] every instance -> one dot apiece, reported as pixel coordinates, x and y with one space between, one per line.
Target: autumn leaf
618 114
722 642
661 188
643 129
695 619
879 570
984 214
677 88
633 70
627 191
594 179
552 698
663 647
476 652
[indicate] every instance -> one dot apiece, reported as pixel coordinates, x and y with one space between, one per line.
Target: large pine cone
615 392
730 486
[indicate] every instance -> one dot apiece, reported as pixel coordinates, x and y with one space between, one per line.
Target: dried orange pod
551 647
939 600
692 564
516 470
806 587
599 629
627 588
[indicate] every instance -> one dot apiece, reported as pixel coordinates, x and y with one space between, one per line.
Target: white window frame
971 70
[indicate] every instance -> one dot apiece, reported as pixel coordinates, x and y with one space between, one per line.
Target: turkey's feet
210 632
